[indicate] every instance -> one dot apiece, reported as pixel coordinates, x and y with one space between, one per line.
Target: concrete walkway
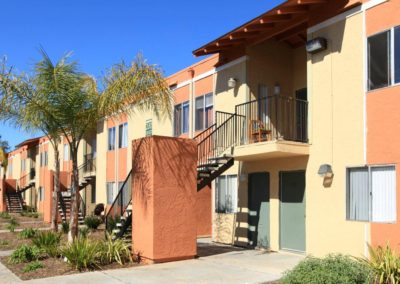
225 265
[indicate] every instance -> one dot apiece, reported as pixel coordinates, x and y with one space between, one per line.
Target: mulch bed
12 241
53 267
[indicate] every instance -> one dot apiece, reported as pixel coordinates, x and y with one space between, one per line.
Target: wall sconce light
277 89
325 170
232 82
316 45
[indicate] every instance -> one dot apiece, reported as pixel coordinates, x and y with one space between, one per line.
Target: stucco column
164 198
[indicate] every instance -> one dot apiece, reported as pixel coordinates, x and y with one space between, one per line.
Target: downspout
191 104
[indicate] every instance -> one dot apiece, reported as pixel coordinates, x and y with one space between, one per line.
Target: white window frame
123 137
392 69
66 152
211 94
370 190
234 192
149 127
181 128
111 144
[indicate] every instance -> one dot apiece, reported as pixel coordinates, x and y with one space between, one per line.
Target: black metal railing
89 164
120 204
219 140
62 204
274 118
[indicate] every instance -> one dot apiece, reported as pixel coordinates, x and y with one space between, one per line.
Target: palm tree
79 102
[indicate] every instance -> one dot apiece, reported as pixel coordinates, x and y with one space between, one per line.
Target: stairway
123 228
206 173
25 188
14 202
64 208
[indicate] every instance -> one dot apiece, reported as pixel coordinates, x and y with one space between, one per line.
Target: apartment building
294 113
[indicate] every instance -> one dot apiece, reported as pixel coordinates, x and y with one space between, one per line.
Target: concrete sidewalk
225 265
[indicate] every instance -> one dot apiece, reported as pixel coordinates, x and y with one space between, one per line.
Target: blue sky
102 32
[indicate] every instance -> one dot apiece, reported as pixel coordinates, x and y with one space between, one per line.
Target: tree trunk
56 191
73 222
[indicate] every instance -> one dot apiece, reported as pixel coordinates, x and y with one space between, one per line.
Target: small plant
30 214
83 232
82 253
25 253
5 215
4 243
65 227
115 250
384 263
12 224
112 223
93 222
48 241
33 266
335 268
27 233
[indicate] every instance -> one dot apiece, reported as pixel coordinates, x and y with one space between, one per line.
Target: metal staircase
119 217
215 147
64 207
14 202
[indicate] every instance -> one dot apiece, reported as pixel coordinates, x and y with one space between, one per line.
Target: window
23 165
371 194
43 159
181 119
384 59
66 152
93 194
226 194
110 187
149 127
41 193
123 135
10 168
379 60
111 139
204 112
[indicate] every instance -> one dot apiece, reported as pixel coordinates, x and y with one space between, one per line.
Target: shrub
65 227
29 214
332 269
82 253
4 243
33 266
27 233
83 232
48 241
25 253
93 222
12 224
115 250
384 263
112 223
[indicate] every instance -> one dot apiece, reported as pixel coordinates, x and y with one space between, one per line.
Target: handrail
62 203
30 174
121 201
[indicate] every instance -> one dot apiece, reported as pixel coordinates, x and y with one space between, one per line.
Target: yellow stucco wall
335 84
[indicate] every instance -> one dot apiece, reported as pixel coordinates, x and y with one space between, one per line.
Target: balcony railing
273 118
88 166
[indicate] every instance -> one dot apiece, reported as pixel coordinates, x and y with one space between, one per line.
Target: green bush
25 253
27 233
5 215
29 214
65 227
332 269
93 222
83 232
48 241
115 250
385 264
12 224
4 243
33 266
112 223
82 253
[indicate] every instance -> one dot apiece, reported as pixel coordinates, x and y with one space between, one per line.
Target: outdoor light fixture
325 169
232 82
277 89
316 45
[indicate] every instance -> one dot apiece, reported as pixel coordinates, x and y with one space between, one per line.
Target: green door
258 232
292 211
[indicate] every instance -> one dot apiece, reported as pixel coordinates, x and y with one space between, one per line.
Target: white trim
345 15
183 84
204 75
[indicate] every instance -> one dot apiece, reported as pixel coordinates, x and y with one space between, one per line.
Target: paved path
229 266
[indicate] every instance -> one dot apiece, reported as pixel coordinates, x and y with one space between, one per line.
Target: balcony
272 127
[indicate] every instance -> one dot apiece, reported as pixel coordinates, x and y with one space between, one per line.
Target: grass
33 266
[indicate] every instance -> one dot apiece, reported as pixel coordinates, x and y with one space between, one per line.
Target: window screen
379 60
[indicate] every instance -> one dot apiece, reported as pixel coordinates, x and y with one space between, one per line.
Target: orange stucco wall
204 212
203 86
383 118
164 193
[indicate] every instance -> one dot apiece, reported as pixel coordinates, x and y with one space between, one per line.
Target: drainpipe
191 104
